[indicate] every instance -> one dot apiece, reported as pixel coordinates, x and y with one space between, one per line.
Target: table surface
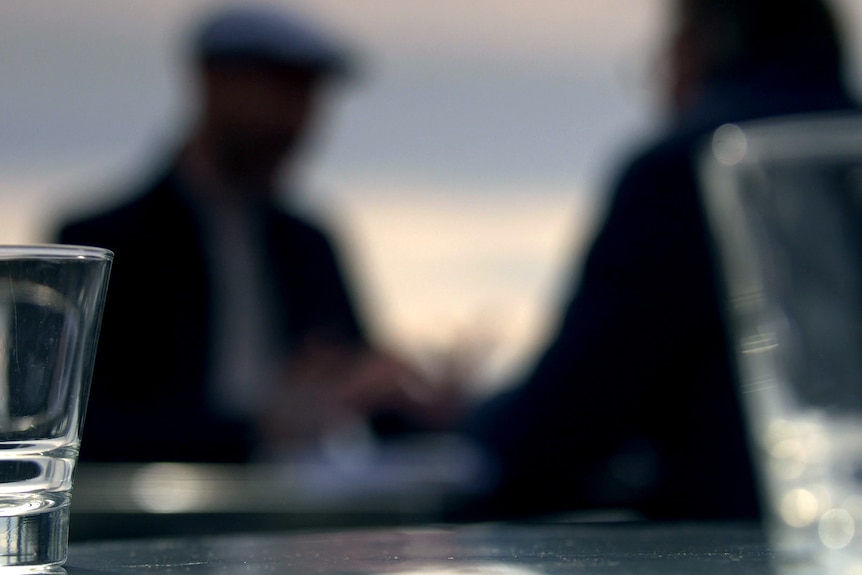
504 549
409 482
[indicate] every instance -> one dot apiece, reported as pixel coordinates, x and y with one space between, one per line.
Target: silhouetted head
714 40
259 75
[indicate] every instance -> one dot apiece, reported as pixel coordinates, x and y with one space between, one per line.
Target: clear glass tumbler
51 301
785 200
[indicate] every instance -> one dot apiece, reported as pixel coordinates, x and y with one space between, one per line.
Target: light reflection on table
403 484
617 549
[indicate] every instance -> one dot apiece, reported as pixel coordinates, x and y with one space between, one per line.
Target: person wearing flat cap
232 331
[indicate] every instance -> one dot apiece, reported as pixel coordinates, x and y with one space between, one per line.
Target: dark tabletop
520 549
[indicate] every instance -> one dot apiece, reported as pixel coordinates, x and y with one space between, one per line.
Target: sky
473 88
462 170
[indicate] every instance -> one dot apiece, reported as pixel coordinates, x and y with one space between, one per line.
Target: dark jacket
633 404
147 401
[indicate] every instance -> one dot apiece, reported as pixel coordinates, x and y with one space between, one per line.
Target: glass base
34 543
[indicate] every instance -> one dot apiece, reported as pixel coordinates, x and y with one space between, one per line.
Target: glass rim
809 136
65 251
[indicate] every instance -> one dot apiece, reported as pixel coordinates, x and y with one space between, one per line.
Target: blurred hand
326 389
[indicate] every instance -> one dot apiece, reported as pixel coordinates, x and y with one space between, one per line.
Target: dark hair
741 34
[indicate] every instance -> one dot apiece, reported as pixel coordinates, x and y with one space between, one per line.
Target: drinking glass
784 198
51 301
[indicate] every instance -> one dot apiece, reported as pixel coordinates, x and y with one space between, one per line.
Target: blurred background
461 170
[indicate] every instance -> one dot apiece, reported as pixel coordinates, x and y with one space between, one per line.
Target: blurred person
232 331
633 404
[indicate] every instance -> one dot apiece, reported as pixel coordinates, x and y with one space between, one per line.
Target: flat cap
259 32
